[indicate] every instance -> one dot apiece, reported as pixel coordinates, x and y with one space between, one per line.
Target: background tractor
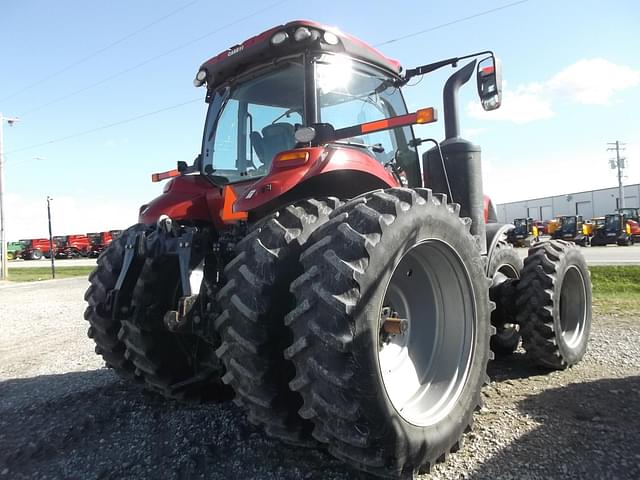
99 241
524 234
617 229
572 228
14 250
35 249
308 260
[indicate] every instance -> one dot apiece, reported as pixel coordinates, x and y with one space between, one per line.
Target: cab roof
260 49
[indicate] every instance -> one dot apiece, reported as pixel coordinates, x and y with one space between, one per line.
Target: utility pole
618 163
3 238
51 252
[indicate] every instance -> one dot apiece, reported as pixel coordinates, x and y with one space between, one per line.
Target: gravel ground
62 415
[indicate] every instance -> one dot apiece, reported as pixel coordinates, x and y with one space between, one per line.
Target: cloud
592 82
588 82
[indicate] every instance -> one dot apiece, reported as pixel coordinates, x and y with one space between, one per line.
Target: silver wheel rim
425 368
573 312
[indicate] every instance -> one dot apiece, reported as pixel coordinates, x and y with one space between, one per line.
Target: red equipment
99 241
35 249
312 262
71 246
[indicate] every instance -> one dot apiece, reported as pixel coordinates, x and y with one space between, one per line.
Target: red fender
189 197
289 169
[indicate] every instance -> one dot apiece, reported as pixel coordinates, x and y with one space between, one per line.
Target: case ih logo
234 50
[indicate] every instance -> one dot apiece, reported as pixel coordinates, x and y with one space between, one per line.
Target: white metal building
593 203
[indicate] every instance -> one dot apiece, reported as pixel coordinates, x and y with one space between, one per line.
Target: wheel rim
573 311
425 368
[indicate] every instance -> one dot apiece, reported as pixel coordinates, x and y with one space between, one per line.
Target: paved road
609 255
45 262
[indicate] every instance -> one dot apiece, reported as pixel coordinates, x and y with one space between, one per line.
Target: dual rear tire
391 403
388 403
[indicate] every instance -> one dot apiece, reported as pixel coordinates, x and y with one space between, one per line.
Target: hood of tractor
284 40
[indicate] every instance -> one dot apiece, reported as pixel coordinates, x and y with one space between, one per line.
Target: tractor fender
192 198
494 232
331 159
342 184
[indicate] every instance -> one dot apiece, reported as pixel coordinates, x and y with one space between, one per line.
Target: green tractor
14 249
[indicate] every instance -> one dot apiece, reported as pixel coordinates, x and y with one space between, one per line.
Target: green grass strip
44 273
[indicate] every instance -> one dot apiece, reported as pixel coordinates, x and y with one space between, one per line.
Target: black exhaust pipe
458 173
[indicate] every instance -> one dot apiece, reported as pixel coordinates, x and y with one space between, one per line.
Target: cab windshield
252 120
352 92
569 223
612 222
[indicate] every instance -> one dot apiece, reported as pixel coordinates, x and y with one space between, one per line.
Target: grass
616 289
44 273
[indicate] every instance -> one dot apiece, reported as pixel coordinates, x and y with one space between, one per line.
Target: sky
76 72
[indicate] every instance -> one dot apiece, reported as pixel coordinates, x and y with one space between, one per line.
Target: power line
453 22
103 127
154 58
85 132
99 51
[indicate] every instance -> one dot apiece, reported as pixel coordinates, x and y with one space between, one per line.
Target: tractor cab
571 228
617 229
304 109
524 233
304 82
630 213
598 222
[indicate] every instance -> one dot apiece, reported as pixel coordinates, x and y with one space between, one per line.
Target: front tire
391 405
554 302
36 254
504 270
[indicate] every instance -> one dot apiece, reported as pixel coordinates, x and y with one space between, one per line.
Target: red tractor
71 246
35 249
309 261
99 241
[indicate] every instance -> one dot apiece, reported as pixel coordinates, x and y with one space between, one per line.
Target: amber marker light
426 115
292 158
158 177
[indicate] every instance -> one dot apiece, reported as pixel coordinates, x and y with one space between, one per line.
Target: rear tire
408 251
254 301
504 270
36 254
180 366
554 302
103 327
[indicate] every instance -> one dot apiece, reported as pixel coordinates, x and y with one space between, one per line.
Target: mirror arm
430 67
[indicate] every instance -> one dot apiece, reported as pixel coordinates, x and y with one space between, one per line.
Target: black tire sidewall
503 342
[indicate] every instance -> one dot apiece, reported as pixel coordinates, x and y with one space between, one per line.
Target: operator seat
275 138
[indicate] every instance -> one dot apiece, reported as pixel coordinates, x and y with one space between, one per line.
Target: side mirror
490 83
